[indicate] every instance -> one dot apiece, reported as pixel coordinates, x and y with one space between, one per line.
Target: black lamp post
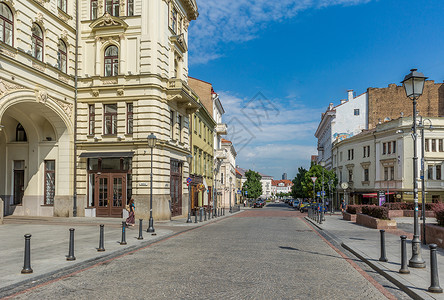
322 163
414 84
189 160
151 143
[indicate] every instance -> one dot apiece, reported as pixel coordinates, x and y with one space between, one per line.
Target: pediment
108 22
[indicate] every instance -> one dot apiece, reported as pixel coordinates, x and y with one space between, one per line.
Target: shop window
6 24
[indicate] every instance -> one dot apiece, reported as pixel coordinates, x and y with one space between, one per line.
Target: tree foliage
316 171
253 184
297 190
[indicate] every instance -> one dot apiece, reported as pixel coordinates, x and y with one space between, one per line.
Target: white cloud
228 21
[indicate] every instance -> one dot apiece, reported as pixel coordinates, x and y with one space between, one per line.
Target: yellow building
202 145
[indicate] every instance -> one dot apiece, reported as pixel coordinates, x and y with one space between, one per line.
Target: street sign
189 180
318 194
323 193
314 179
246 192
239 191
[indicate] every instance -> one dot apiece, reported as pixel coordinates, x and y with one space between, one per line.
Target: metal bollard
140 237
27 263
195 216
434 286
383 257
200 214
123 241
71 245
224 211
205 213
101 242
404 268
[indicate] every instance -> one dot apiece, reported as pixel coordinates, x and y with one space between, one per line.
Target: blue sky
278 64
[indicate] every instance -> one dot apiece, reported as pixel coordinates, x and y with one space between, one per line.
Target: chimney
350 95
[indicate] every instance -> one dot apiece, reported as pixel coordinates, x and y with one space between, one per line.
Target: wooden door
19 186
110 193
176 187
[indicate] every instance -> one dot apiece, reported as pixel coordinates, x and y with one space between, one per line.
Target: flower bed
375 223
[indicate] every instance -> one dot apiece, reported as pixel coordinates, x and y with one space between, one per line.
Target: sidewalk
50 244
365 244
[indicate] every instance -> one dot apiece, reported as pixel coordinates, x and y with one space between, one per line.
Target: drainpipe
74 196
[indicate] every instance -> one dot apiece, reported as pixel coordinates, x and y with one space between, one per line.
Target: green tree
316 171
297 190
253 184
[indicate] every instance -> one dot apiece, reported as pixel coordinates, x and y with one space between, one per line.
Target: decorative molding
38 66
67 108
7 87
120 92
39 19
95 93
7 52
109 81
41 96
63 78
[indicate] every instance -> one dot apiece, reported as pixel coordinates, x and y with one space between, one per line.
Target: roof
286 182
225 141
242 172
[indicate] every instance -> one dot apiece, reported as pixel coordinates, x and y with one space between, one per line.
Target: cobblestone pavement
268 253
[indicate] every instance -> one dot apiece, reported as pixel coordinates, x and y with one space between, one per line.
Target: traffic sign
239 191
314 179
323 193
189 180
318 194
246 192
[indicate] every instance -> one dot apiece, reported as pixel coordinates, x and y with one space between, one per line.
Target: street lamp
423 217
322 163
414 84
189 160
151 143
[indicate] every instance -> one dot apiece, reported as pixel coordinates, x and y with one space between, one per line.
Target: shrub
354 209
438 208
379 212
396 205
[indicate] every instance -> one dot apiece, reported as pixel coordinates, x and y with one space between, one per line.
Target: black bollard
404 268
123 241
140 237
205 212
223 209
383 257
101 242
200 214
71 245
27 263
434 286
195 216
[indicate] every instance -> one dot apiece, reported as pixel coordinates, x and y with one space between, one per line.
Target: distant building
265 180
281 186
284 176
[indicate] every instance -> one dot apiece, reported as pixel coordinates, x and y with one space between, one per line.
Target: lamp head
151 140
189 159
414 84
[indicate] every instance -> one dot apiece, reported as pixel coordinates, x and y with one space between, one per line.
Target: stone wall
434 235
349 217
375 223
391 101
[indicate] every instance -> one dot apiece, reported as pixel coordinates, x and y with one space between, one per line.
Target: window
92 119
195 124
384 147
179 25
350 175
426 145
179 123
62 4
350 154
111 61
433 145
392 173
438 172
110 119
430 172
176 69
112 7
129 118
366 174
174 20
6 24
94 8
340 175
386 173
356 112
389 148
172 124
130 7
49 182
37 42
394 146
20 134
440 145
222 178
61 57
195 160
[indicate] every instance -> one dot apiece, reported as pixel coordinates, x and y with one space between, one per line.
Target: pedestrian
131 209
343 206
245 202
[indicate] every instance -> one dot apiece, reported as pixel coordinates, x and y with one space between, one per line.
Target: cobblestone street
268 253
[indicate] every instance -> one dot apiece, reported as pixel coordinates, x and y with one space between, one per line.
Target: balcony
180 93
220 154
221 129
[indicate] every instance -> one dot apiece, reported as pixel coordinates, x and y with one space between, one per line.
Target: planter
375 223
428 213
434 234
349 217
395 214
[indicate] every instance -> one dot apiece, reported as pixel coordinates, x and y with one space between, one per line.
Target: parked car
304 207
295 203
258 204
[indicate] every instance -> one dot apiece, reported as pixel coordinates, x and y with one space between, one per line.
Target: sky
276 65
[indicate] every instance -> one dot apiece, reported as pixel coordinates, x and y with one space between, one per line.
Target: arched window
37 42
6 24
112 7
62 57
94 8
111 61
20 134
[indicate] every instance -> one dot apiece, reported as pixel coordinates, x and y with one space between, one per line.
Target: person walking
343 206
131 209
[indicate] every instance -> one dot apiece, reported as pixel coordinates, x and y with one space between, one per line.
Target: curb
313 223
396 280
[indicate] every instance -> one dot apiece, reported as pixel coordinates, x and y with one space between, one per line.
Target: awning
106 154
374 195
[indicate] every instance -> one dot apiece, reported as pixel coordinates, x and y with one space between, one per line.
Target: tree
253 184
316 171
297 190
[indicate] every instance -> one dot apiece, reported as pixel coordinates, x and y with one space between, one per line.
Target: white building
341 122
379 162
219 153
281 186
227 186
265 181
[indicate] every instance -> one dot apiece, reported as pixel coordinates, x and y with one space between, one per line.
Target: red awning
374 195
